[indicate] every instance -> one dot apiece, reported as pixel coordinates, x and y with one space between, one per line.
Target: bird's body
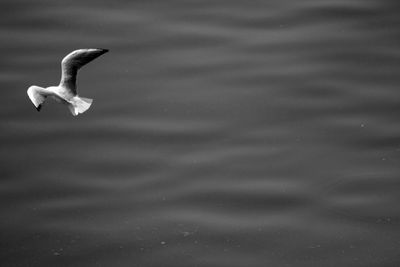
66 91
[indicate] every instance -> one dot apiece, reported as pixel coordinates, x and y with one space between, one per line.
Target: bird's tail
79 105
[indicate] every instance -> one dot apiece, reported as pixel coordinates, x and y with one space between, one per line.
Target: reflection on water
222 133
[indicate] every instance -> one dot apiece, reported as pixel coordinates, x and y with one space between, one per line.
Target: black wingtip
38 108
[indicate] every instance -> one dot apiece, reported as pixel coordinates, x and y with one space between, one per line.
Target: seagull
66 92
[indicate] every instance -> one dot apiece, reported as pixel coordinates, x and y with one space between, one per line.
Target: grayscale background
222 134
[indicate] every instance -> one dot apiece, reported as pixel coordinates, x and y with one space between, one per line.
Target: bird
66 91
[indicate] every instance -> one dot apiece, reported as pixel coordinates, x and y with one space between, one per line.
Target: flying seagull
66 92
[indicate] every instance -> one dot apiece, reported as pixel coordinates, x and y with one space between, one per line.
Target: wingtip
38 108
104 50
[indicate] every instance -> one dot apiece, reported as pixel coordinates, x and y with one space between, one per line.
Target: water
223 133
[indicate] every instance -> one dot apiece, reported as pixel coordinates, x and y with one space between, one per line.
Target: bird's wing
37 95
73 62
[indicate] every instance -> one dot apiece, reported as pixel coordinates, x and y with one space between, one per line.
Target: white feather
79 105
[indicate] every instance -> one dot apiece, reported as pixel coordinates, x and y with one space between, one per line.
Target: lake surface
222 133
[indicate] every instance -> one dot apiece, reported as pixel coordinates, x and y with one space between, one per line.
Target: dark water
223 133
